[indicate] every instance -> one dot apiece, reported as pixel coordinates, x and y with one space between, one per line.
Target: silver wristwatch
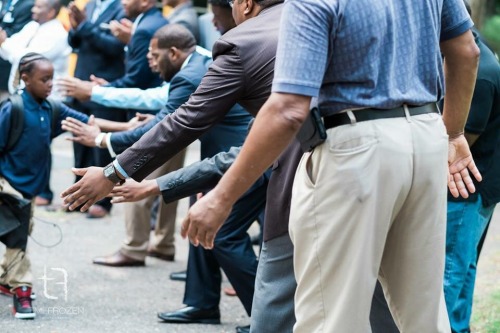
111 174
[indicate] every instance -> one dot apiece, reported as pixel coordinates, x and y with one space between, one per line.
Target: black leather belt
372 114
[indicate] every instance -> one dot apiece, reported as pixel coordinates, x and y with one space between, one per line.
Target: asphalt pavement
74 295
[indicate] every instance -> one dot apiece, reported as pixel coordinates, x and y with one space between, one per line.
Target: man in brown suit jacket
242 72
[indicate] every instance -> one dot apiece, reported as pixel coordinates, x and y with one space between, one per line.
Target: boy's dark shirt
25 166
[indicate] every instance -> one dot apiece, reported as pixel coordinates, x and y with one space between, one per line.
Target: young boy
24 168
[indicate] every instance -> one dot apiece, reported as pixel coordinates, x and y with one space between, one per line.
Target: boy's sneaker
22 303
5 290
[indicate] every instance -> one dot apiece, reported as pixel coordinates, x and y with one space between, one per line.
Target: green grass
486 314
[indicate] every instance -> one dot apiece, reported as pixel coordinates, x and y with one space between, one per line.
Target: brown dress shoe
158 255
117 260
97 212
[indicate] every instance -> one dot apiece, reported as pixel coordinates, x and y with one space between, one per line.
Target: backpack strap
16 120
55 107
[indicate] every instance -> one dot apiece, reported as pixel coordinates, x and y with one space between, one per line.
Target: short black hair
175 35
219 3
26 65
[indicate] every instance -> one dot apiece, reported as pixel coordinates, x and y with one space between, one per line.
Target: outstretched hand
204 219
460 162
132 191
84 134
91 188
76 88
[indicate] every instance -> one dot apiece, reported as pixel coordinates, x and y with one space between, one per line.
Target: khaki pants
371 202
137 220
15 268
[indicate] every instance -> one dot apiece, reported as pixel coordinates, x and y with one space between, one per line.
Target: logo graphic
46 279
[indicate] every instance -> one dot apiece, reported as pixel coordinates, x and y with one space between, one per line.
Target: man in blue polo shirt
369 202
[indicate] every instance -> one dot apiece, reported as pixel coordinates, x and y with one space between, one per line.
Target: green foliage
491 31
486 313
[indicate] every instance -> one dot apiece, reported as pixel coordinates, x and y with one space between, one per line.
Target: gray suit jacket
242 72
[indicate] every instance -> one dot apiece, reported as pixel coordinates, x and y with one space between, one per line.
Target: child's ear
25 78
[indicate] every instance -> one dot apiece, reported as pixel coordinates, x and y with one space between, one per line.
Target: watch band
111 174
99 139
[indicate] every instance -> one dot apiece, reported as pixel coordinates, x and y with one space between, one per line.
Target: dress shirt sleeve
10 47
54 43
303 47
222 86
131 98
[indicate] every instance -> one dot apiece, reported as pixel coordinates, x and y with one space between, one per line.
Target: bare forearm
461 58
111 126
275 126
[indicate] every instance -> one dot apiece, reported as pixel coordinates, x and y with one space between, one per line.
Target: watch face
109 170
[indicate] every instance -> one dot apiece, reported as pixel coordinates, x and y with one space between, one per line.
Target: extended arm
131 98
217 93
197 177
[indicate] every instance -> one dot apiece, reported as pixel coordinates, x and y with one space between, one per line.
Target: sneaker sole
19 315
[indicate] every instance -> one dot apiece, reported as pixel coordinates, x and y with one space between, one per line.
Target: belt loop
351 116
407 113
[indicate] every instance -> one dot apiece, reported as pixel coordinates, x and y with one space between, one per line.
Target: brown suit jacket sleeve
221 88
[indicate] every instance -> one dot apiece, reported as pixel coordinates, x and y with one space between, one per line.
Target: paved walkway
103 299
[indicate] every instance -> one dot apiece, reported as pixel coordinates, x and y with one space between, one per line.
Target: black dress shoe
191 315
243 329
178 276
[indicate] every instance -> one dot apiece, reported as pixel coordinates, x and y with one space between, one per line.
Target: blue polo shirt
366 53
26 165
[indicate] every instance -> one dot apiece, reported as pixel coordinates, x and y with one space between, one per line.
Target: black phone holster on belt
313 131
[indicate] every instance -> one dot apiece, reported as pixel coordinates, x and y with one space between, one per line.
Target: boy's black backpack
17 118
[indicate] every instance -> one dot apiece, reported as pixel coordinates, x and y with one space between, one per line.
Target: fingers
185 226
79 172
208 242
73 126
475 171
193 234
118 199
91 121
